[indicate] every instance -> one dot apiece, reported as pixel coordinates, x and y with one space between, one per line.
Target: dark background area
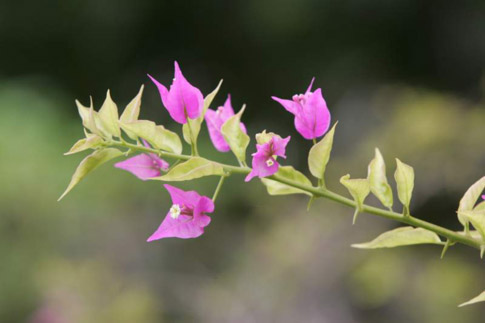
406 76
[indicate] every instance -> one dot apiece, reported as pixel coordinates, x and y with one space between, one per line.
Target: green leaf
195 124
157 136
90 163
264 137
404 176
235 137
132 111
404 236
320 154
359 188
289 173
91 141
479 298
108 114
195 167
470 198
378 181
84 111
477 219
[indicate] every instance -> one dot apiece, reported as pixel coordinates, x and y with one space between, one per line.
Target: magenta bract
183 100
215 119
264 159
186 218
144 166
312 117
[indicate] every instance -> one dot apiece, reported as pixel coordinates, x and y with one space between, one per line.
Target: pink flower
144 166
186 218
264 159
312 118
183 100
215 120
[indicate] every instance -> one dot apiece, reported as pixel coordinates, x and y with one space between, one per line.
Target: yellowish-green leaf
195 124
479 298
108 114
359 188
319 154
132 111
91 141
470 198
476 218
289 173
264 137
404 236
167 140
157 136
378 181
195 167
90 163
235 137
404 176
84 111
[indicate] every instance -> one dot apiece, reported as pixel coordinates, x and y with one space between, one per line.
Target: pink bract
186 218
144 166
264 159
215 119
183 100
312 117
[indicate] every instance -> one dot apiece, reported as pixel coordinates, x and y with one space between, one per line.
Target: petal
310 86
261 168
227 110
142 166
161 88
317 107
189 198
279 146
289 105
214 124
183 227
184 97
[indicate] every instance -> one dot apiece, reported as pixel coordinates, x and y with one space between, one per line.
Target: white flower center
219 110
269 162
175 211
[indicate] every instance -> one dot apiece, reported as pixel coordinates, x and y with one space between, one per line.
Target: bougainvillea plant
158 156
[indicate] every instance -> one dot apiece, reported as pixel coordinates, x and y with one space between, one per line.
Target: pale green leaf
108 114
378 181
84 111
91 141
479 298
319 154
132 111
157 136
289 173
264 137
404 236
235 137
477 219
470 198
90 163
359 188
195 124
195 167
404 176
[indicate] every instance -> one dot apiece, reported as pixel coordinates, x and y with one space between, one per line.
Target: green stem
193 140
218 188
321 192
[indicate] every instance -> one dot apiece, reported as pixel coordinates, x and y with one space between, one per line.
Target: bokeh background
405 76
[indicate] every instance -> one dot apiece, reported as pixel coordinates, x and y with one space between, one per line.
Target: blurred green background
405 76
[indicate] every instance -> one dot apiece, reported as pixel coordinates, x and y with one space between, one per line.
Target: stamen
175 211
269 162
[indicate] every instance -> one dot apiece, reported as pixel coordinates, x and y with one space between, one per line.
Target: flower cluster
187 106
